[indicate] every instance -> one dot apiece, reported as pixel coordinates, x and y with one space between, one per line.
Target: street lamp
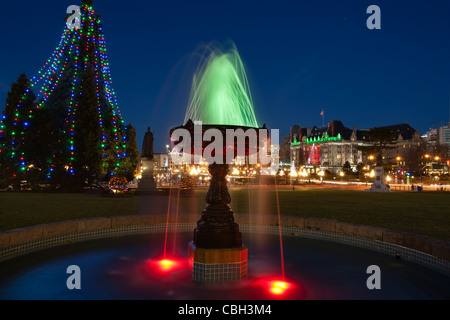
421 173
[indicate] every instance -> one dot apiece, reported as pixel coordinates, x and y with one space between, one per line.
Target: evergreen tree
41 144
71 133
131 154
87 163
347 168
380 139
56 104
16 119
110 146
359 169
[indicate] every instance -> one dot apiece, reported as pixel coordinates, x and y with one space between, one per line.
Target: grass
426 213
19 210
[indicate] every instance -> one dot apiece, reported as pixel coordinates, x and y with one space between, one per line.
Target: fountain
220 94
119 257
220 99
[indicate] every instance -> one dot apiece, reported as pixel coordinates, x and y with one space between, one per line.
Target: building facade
444 135
330 148
326 148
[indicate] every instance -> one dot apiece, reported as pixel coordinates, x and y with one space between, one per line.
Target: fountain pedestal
217 253
217 229
215 265
147 182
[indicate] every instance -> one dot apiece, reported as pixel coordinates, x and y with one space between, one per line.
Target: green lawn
426 213
26 209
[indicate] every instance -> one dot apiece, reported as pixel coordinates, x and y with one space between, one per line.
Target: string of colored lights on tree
51 68
67 59
107 82
117 184
70 57
20 114
20 121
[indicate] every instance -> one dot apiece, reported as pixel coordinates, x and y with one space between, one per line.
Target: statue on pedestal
147 146
147 182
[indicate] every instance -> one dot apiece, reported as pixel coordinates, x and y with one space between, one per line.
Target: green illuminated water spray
220 93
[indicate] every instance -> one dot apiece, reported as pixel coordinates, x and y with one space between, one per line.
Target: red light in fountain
165 265
275 287
279 287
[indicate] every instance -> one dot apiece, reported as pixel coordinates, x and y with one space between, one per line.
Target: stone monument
147 182
379 184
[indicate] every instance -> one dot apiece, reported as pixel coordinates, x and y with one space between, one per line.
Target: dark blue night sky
300 57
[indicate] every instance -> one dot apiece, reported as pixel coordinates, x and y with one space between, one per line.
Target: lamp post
398 158
421 173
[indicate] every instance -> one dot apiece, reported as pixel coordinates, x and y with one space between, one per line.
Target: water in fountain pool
127 268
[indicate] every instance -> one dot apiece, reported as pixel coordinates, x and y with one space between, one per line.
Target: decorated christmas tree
16 120
90 141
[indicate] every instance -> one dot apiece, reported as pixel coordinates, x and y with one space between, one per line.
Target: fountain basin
319 264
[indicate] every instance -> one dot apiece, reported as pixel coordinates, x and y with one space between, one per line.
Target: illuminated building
326 148
444 135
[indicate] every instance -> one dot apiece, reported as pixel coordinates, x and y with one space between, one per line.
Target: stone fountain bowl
234 148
